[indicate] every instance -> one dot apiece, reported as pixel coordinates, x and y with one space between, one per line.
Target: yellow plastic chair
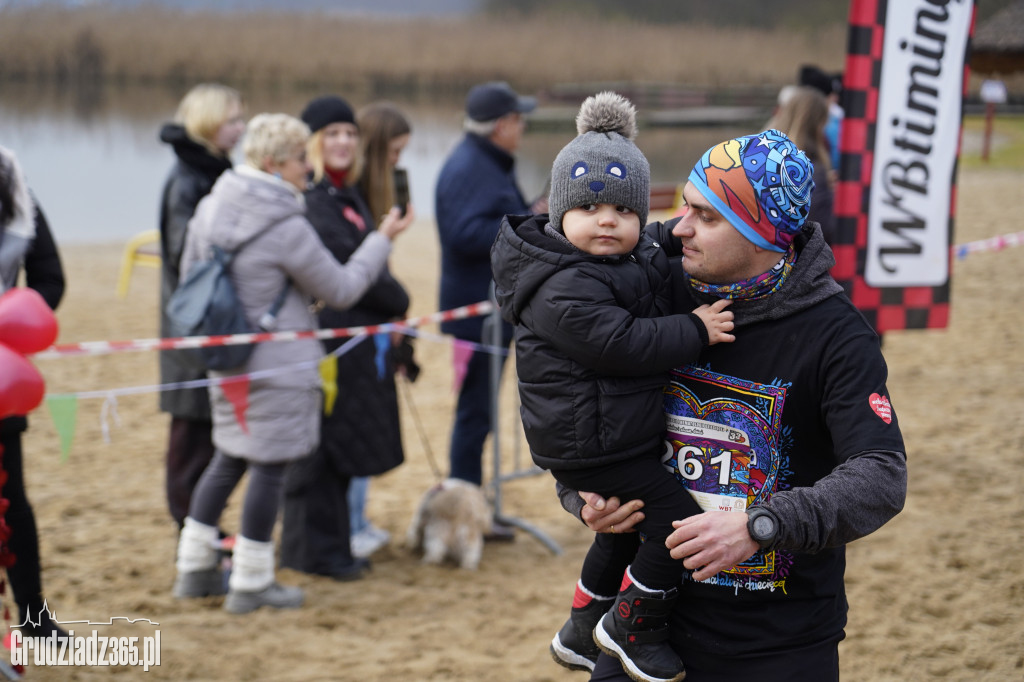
142 249
678 202
666 200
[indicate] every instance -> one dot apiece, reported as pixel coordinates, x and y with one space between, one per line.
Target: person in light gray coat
259 204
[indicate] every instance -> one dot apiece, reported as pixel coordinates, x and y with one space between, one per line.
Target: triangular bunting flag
329 382
382 340
64 412
462 351
236 390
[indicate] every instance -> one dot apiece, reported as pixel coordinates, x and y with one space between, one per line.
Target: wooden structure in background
998 43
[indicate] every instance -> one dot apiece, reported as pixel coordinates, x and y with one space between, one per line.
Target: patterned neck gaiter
761 286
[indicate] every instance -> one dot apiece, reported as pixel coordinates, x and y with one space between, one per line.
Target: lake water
96 164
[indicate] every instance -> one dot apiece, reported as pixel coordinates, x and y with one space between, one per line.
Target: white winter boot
198 572
252 583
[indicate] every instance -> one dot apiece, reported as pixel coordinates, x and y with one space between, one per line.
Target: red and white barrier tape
991 244
482 308
108 347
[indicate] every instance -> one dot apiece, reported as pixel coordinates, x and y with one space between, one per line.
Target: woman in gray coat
260 204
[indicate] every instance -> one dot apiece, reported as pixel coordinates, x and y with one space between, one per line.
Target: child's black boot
635 631
574 646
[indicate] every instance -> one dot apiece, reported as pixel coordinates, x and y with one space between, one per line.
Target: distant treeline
770 14
93 44
748 13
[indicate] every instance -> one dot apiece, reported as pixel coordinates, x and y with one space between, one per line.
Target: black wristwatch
763 526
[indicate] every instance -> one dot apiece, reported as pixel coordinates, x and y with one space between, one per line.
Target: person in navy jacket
475 190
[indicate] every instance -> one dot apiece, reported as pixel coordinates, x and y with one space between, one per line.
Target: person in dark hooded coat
360 436
207 126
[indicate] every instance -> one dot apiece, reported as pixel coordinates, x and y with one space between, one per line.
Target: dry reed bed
152 44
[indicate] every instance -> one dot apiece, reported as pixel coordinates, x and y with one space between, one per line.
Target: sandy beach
937 594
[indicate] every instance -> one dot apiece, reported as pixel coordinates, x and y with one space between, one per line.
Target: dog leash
407 395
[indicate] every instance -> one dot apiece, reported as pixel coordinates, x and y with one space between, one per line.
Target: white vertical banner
917 142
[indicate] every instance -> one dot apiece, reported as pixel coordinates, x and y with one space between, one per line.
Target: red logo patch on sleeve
880 405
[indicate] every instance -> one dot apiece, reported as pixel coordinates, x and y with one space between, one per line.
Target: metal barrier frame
492 336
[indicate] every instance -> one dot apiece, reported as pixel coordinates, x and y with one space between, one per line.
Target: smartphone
401 189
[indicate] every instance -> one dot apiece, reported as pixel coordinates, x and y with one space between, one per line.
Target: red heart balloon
21 384
27 324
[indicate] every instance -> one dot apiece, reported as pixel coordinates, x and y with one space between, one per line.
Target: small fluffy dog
450 523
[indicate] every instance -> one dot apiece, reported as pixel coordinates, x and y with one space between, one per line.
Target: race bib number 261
713 461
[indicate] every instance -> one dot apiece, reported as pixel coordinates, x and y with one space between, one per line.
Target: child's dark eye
623 209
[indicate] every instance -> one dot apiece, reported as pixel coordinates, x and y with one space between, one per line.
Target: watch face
764 527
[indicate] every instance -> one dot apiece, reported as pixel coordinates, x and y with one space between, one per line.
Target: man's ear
766 257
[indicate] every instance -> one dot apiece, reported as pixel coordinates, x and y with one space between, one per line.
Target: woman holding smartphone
384 134
360 436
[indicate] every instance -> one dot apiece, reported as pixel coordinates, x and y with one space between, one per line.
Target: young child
588 294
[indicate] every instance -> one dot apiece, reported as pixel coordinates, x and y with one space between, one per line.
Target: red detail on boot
7 557
626 581
581 598
624 609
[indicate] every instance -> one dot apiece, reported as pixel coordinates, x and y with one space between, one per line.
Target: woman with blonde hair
360 437
802 115
257 212
207 126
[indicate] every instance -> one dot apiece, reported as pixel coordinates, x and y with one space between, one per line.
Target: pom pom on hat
761 184
601 165
607 112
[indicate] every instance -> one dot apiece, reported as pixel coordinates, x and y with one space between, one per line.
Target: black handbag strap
275 308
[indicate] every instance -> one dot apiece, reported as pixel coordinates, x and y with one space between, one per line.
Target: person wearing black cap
359 436
803 115
475 190
830 85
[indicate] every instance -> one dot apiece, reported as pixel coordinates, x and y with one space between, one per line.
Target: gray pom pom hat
601 165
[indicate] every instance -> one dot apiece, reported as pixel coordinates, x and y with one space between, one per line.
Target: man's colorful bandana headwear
761 184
